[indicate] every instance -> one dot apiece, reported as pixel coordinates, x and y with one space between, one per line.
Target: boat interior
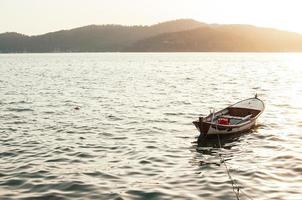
233 116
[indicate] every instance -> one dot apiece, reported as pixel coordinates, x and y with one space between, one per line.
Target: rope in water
234 184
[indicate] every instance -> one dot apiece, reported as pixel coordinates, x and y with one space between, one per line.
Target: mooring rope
234 184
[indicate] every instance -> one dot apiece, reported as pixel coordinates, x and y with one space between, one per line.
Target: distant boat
237 118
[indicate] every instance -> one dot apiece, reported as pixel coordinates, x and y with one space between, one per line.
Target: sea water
119 126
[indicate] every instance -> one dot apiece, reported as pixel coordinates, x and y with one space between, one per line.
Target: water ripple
118 126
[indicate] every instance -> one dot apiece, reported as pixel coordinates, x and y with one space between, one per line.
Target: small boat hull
223 130
242 117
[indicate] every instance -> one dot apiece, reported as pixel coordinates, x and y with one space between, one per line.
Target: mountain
12 42
91 38
173 36
222 38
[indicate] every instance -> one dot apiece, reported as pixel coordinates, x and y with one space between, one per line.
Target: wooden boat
237 118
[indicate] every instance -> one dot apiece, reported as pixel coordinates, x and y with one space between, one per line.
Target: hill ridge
171 36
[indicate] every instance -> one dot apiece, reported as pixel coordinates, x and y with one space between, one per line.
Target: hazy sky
41 16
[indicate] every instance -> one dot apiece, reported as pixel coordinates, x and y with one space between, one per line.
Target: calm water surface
132 137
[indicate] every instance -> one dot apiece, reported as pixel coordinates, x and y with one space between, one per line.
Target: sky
33 17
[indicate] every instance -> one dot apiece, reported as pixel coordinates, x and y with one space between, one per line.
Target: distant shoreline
184 35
